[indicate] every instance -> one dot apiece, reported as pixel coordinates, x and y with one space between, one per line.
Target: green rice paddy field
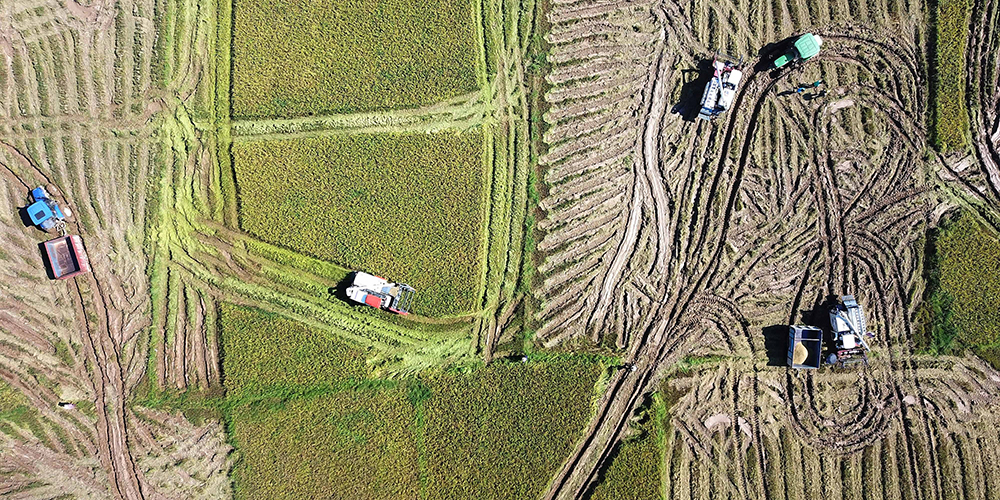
297 57
308 421
407 207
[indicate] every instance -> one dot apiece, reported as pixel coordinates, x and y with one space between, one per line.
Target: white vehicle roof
848 341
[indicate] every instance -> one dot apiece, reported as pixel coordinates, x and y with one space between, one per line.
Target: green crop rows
262 350
407 207
951 121
968 288
503 431
635 471
355 444
295 58
307 423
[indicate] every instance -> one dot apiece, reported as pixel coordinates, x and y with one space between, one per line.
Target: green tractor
805 47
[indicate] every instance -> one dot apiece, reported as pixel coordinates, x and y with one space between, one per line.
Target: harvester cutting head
45 213
377 292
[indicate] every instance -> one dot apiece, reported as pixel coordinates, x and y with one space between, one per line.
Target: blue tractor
45 212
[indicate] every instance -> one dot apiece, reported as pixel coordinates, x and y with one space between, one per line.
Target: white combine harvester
721 89
847 322
380 293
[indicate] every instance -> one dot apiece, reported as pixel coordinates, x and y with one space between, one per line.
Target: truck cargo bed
67 257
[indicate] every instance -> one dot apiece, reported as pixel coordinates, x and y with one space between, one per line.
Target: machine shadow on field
25 219
694 80
339 292
776 344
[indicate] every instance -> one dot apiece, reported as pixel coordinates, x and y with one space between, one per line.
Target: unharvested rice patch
502 431
345 445
407 207
263 350
297 57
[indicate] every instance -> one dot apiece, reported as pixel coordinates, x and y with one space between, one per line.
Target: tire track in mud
579 471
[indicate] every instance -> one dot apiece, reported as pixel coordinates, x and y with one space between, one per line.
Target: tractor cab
804 48
45 213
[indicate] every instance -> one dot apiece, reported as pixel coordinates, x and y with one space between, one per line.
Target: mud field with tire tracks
669 237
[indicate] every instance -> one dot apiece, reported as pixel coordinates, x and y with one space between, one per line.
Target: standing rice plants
635 471
407 207
502 431
356 445
950 117
295 57
964 301
263 350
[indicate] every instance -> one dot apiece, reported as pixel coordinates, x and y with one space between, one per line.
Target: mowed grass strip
406 207
951 119
304 57
355 444
502 431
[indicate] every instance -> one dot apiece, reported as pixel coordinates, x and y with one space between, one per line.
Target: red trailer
67 257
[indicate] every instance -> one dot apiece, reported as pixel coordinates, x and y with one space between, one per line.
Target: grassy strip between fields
964 289
295 58
635 471
309 421
407 207
950 116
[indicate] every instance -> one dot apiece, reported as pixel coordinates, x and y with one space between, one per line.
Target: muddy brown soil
670 238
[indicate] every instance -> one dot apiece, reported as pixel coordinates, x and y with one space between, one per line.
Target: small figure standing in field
800 89
817 83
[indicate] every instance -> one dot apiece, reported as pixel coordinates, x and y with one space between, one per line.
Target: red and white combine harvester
380 293
721 89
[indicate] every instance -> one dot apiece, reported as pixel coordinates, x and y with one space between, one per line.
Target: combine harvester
380 293
804 48
849 347
847 321
66 255
721 89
